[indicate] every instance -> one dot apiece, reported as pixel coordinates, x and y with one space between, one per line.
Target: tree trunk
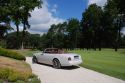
100 48
100 45
22 47
119 37
94 47
17 27
94 44
23 36
116 45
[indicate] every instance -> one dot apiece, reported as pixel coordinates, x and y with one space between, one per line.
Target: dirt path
47 74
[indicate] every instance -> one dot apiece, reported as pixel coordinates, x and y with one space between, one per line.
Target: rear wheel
56 64
34 60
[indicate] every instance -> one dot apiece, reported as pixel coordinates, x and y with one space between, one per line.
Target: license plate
76 57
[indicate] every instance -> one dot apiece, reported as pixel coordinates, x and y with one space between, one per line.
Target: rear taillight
69 59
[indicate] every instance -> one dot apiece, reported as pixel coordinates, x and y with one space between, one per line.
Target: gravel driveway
47 74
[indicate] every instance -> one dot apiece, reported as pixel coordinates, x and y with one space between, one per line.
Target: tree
26 7
73 29
63 35
56 35
92 26
30 41
120 4
116 21
18 11
16 18
34 41
4 16
3 30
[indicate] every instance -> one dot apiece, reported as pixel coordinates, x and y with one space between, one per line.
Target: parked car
57 58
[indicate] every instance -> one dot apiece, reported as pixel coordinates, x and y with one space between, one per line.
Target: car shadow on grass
63 68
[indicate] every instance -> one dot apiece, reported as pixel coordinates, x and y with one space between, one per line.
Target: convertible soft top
54 51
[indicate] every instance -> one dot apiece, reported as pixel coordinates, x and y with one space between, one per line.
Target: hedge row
11 54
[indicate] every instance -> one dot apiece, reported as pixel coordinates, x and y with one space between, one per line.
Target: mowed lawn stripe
106 61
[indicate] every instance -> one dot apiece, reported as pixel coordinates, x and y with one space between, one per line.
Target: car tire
56 64
34 60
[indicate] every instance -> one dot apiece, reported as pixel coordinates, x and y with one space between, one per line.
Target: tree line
99 27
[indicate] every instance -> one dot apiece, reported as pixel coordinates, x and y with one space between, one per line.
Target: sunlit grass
13 70
21 66
106 61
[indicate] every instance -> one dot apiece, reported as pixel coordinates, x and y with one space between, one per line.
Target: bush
9 74
34 79
3 43
11 54
19 81
13 76
1 81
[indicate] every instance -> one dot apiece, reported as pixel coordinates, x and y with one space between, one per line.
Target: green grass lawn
106 61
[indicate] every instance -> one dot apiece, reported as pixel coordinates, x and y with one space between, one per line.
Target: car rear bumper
75 62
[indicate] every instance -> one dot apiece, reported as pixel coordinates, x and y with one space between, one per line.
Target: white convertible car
57 58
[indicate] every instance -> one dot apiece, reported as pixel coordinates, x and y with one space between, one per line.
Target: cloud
98 2
43 18
54 10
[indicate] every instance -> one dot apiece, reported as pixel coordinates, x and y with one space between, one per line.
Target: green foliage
74 33
1 81
30 41
114 21
13 76
92 26
34 40
3 30
27 52
11 54
63 35
100 27
19 81
106 61
54 37
17 11
34 79
120 5
2 43
9 74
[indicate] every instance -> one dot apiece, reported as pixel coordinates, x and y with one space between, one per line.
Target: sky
58 11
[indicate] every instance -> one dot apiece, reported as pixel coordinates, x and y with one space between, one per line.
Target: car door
41 58
44 58
48 58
